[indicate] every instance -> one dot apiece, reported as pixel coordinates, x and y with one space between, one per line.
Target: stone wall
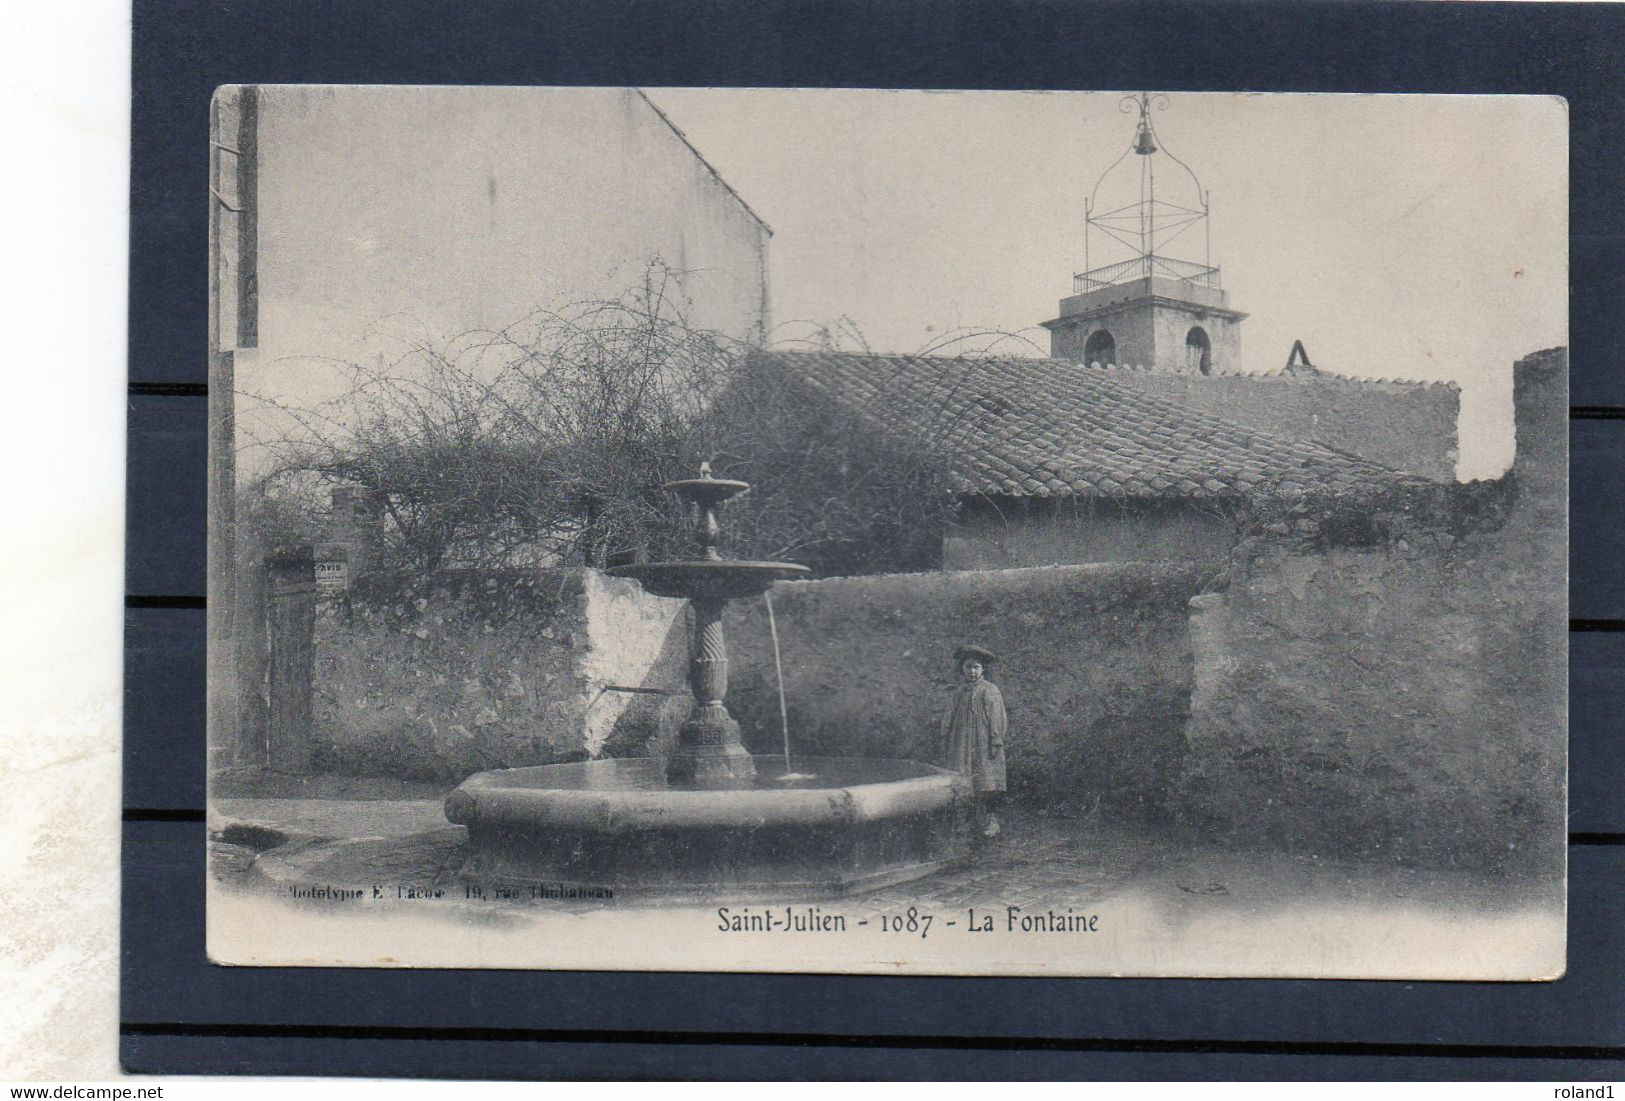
1407 426
480 669
1094 666
1171 325
1399 703
1406 702
1057 531
1132 332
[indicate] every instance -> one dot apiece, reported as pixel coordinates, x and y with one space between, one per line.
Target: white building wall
390 215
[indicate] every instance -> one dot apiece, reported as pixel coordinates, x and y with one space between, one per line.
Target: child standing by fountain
974 728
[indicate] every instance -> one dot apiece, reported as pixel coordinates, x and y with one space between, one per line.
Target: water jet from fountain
791 777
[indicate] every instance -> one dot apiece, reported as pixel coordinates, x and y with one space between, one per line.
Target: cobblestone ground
324 819
1036 862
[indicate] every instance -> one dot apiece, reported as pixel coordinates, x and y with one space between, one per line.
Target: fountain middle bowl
620 825
705 578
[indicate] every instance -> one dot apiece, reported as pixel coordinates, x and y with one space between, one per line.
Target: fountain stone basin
851 825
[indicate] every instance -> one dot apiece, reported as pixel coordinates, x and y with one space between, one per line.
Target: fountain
712 821
708 748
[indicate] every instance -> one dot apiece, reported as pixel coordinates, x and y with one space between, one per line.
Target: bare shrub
548 442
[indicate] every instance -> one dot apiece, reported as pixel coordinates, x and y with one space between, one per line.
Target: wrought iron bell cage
1146 224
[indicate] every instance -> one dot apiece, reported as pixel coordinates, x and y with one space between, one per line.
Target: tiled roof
1047 428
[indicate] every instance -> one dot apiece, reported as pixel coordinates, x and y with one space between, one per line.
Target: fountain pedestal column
708 746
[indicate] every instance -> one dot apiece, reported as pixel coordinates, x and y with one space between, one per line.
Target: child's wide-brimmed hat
985 656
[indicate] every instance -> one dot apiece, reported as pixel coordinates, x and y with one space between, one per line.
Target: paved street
1035 861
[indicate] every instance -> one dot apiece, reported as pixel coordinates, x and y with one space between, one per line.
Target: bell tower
1147 306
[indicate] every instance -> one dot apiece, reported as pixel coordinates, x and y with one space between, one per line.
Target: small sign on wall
332 576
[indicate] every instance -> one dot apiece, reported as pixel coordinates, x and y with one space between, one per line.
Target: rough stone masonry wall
1044 531
1131 331
1406 702
1171 326
1407 426
1094 667
437 679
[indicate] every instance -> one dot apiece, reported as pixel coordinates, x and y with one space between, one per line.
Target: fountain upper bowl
710 578
707 492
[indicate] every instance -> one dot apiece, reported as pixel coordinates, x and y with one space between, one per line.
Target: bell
1143 144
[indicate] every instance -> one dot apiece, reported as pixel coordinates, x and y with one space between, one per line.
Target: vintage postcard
978 533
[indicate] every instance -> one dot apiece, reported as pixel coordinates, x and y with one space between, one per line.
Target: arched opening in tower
1100 348
1198 351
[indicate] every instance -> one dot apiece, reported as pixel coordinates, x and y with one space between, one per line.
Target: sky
1420 237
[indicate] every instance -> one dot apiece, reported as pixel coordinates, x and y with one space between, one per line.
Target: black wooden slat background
1596 517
